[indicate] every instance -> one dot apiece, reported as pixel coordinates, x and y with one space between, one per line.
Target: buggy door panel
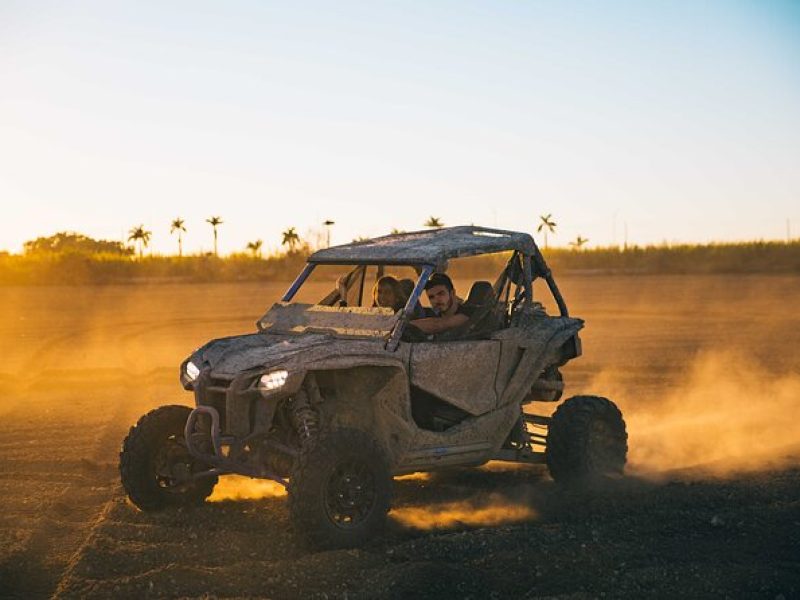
510 356
460 373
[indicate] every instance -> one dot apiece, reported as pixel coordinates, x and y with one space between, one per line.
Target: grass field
705 368
86 266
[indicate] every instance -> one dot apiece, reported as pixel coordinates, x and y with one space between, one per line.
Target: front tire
155 466
586 440
340 489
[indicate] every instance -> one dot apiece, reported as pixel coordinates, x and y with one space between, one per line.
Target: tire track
68 484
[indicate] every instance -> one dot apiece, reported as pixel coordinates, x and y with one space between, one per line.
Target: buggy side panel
524 351
460 373
471 442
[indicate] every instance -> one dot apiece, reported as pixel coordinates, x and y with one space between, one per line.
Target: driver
448 310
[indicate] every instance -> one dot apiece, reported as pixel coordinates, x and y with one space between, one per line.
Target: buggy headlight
192 371
273 380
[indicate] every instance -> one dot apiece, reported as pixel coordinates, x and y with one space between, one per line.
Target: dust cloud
111 352
481 511
496 509
726 416
416 476
236 487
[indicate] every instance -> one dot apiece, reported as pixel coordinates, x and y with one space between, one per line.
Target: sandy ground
706 370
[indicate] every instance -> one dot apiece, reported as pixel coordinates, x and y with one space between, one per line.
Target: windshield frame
531 266
397 331
309 268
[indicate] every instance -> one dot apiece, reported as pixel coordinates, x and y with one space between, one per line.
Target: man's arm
439 324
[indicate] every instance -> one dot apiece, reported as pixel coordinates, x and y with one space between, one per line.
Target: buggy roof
433 247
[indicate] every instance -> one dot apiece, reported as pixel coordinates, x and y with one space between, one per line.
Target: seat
483 319
480 294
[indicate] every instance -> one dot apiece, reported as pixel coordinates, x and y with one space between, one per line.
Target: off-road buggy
333 398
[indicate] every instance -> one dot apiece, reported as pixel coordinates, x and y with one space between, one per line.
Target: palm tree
255 248
214 222
141 236
579 242
547 224
396 231
291 239
328 224
434 223
177 225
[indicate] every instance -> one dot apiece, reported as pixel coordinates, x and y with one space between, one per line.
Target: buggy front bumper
228 453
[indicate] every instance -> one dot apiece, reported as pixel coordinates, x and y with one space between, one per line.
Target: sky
648 121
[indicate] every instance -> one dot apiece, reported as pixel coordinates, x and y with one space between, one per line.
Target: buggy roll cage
522 269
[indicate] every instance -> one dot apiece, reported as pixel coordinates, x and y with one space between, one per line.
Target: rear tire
586 441
340 489
155 466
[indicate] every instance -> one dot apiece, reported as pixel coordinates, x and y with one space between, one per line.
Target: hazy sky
679 119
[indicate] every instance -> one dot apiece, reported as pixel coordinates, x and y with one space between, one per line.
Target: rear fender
570 349
541 353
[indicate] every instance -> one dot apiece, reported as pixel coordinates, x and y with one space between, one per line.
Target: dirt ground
706 370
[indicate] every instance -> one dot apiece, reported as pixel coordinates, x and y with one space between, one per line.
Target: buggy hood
288 330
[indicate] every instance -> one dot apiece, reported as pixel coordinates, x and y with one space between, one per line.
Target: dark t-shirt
413 334
465 310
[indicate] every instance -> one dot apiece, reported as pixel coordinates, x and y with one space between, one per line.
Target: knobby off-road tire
586 441
153 453
340 489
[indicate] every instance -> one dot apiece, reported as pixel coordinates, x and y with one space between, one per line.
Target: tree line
75 259
141 236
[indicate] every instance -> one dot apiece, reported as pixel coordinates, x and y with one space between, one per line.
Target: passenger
407 287
448 310
388 293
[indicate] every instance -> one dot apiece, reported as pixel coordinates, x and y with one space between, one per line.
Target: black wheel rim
173 466
350 494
